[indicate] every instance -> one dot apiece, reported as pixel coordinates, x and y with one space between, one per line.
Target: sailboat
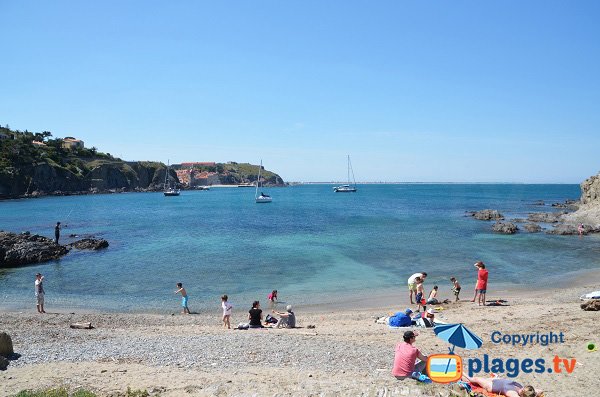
262 198
347 188
168 190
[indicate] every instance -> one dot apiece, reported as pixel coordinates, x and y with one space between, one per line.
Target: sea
314 246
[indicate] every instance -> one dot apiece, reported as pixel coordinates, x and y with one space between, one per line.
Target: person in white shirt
227 308
39 292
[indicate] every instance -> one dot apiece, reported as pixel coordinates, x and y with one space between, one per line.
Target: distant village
191 174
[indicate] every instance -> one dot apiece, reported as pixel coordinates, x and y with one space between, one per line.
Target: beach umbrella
457 335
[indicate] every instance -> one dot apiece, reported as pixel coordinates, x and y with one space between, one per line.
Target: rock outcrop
89 244
505 227
588 212
591 305
545 217
26 249
488 215
23 249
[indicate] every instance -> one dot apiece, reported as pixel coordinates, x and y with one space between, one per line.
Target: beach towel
591 295
482 391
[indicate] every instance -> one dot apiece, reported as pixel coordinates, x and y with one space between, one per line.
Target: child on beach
184 298
420 292
432 300
227 307
455 287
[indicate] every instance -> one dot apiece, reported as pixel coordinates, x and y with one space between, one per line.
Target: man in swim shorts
412 284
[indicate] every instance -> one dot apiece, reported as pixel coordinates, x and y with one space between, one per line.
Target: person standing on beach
420 293
412 285
56 232
184 298
227 308
39 292
481 286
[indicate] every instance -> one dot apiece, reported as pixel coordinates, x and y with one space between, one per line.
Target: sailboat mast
167 174
258 180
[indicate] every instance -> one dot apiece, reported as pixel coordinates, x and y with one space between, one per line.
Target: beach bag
270 319
243 326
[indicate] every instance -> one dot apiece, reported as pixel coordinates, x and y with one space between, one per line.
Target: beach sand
346 354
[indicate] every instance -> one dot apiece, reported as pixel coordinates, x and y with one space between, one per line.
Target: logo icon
444 368
591 347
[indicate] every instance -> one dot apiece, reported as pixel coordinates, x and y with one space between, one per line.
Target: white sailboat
262 198
168 190
347 188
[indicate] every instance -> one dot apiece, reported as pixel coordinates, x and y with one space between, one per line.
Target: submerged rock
488 215
563 230
545 217
532 227
505 227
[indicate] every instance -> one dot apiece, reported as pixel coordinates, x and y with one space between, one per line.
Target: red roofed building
199 164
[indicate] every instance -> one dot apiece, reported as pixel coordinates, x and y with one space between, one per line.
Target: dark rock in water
6 345
539 202
563 230
505 227
488 215
545 217
26 233
591 305
532 227
89 244
72 235
20 249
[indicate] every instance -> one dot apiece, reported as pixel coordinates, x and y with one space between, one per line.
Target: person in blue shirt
401 319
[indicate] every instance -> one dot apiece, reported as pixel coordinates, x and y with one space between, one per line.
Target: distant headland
37 164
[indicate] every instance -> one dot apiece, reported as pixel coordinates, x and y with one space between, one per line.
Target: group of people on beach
286 319
409 362
416 288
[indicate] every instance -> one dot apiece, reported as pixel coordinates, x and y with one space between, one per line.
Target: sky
413 91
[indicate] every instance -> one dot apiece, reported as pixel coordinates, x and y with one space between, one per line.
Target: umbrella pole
448 365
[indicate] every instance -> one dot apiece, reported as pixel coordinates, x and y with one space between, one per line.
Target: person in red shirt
481 286
405 365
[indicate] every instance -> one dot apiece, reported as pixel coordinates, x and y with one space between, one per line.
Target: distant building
199 164
38 143
4 136
72 143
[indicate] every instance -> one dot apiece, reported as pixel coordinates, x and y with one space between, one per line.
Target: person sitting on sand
401 319
481 286
429 318
432 300
504 387
255 315
412 285
455 287
405 364
288 318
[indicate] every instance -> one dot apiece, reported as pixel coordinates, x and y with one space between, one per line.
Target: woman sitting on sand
255 315
504 387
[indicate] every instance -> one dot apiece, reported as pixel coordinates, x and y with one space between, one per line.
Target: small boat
262 198
168 189
347 188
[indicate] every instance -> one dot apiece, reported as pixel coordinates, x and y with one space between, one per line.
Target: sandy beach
347 353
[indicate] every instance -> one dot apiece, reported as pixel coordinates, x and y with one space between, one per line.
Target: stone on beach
6 345
591 305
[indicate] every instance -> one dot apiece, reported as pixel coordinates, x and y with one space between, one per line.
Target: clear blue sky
412 90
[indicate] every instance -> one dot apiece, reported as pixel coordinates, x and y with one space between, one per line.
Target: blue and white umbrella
458 336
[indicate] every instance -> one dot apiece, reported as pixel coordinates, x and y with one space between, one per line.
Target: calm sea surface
311 244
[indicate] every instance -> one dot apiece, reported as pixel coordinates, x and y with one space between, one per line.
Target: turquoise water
311 244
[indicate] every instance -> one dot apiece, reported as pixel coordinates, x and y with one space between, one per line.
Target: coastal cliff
588 212
34 164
